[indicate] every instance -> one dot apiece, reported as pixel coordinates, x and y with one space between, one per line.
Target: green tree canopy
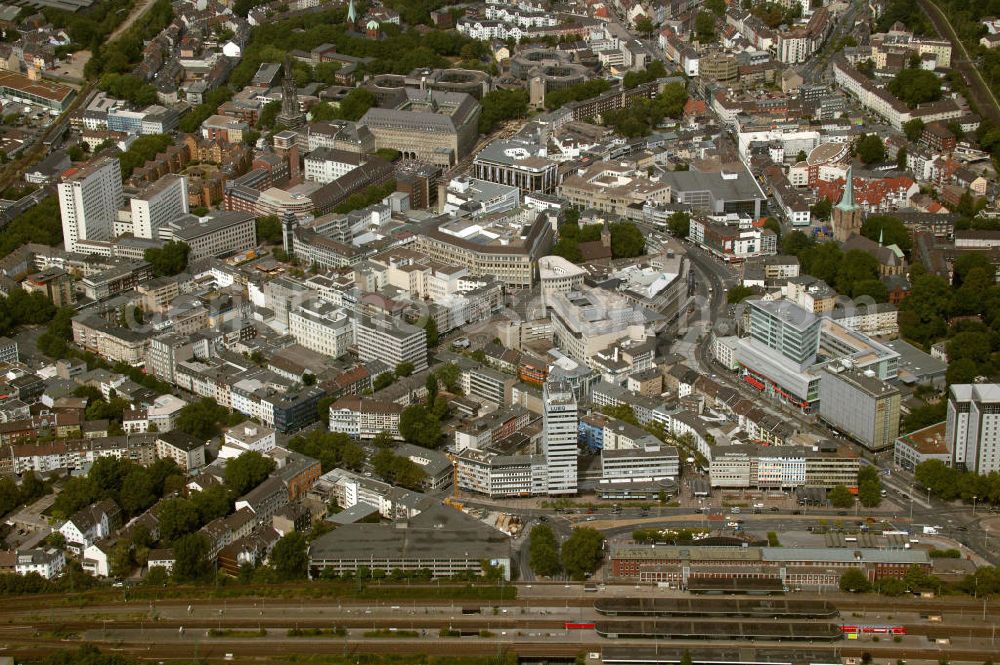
840 497
245 472
543 551
913 129
290 557
870 149
854 580
169 260
889 229
679 224
916 86
582 552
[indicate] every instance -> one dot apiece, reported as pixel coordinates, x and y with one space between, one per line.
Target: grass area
389 632
230 632
339 631
319 589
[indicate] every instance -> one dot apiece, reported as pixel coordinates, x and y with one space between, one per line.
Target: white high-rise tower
560 437
89 199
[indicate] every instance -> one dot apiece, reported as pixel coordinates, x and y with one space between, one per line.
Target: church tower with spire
847 216
291 115
352 14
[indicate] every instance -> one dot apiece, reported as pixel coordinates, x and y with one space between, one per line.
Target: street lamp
974 498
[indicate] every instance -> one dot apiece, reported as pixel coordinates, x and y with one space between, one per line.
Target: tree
870 149
212 503
431 328
888 229
774 226
290 557
840 497
968 262
671 100
801 156
913 129
269 230
268 115
679 224
178 517
796 243
704 27
191 558
738 293
645 26
169 260
686 658
543 551
356 104
420 425
404 369
501 105
450 376
821 209
245 472
202 419
137 491
582 552
923 313
854 580
869 487
856 266
626 240
916 86
432 389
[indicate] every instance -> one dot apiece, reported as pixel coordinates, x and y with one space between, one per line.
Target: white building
362 418
498 476
163 201
47 563
247 437
972 430
560 437
649 463
89 199
393 342
321 327
325 165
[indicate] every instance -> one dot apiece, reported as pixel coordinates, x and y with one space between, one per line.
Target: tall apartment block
160 203
972 426
560 437
787 328
89 199
391 341
861 405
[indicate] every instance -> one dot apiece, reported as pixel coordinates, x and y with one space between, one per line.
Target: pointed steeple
352 14
881 236
847 200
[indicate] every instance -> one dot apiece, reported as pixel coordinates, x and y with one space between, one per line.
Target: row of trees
132 486
575 93
579 556
644 115
626 240
949 483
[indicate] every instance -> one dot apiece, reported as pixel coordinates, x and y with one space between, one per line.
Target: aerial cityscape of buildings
658 298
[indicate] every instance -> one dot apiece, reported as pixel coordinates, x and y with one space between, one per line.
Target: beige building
612 187
435 127
499 246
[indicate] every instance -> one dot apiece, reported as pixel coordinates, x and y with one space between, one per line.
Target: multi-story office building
788 329
505 248
221 233
499 476
652 462
432 126
782 467
591 320
322 327
861 405
560 437
163 201
517 163
362 418
391 341
326 165
972 429
89 199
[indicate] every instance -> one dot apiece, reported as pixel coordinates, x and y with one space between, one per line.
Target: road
982 95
